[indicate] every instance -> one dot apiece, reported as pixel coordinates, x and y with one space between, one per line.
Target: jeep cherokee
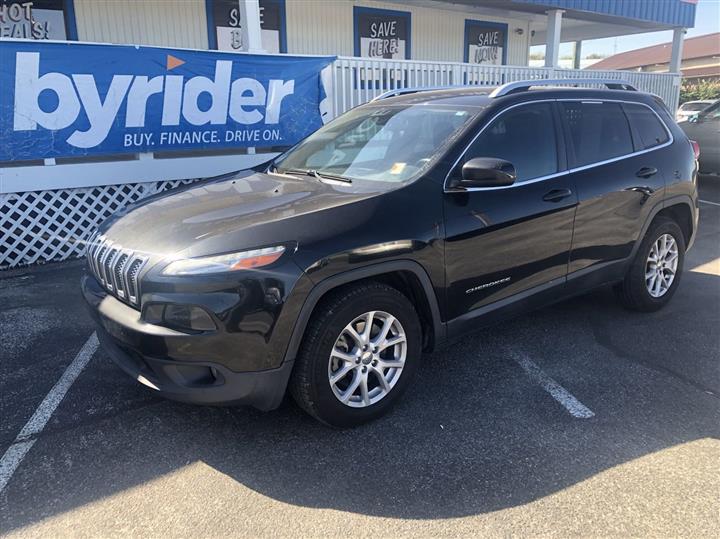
400 225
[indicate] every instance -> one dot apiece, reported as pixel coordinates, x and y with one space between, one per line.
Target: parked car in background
690 108
402 224
704 128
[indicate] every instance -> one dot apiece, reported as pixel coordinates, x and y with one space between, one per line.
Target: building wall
313 26
168 23
326 27
691 63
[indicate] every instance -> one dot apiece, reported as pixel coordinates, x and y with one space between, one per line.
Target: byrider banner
74 99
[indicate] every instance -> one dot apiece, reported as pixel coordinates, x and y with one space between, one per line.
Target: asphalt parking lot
478 446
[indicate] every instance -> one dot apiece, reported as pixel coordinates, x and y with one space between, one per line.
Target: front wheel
358 354
654 274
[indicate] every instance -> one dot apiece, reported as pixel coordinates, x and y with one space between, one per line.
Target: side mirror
695 118
486 172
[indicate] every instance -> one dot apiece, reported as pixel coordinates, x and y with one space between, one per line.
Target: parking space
484 443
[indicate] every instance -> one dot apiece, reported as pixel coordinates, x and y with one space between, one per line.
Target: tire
326 333
634 292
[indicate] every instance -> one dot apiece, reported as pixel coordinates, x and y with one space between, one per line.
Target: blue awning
663 12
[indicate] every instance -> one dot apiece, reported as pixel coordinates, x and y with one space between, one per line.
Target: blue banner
75 99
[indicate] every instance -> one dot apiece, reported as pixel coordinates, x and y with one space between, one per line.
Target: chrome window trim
670 141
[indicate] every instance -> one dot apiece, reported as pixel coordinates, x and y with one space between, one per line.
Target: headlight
256 258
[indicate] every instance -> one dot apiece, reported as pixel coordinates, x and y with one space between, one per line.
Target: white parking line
708 202
26 437
558 392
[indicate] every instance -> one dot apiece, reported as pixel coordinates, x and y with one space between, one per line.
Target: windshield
693 107
382 143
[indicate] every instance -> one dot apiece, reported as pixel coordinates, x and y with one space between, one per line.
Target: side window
524 136
598 131
648 126
712 112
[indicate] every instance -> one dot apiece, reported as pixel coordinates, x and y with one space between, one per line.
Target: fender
666 203
330 283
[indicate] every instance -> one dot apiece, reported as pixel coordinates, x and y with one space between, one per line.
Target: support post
250 25
577 54
552 41
677 50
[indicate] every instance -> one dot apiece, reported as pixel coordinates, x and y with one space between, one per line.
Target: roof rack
404 91
520 86
513 87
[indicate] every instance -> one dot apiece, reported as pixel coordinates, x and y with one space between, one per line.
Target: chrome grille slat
116 269
108 267
118 272
126 277
132 278
94 246
99 259
112 259
96 268
105 255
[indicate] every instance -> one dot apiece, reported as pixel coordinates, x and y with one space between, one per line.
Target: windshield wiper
314 173
324 175
302 171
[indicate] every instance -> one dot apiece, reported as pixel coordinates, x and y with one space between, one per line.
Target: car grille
116 268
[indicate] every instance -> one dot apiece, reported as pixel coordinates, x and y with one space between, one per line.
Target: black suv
402 224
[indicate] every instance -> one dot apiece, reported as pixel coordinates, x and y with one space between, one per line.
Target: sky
707 21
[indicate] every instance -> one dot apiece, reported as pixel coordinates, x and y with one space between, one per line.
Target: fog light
179 316
153 314
189 317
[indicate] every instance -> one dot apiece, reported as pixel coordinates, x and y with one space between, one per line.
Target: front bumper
157 357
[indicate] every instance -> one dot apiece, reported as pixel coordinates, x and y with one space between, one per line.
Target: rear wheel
359 352
655 273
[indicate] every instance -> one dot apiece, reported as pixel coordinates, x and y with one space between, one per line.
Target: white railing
358 80
48 210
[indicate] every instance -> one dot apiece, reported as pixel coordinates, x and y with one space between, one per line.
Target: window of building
39 20
382 33
647 125
224 25
524 136
598 131
485 42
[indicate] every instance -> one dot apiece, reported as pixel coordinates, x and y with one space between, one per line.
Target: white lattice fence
43 226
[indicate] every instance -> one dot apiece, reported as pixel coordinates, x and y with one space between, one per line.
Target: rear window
649 128
598 131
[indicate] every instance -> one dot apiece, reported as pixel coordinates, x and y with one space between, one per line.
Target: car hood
224 213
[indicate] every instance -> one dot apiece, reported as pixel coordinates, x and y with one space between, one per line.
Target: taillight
696 148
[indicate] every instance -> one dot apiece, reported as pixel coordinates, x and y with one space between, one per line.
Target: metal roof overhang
583 19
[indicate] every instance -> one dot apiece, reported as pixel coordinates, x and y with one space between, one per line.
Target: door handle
646 172
644 189
556 195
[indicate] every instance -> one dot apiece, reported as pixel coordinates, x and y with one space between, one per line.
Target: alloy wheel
367 359
661 266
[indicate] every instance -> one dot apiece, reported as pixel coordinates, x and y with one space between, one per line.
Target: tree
692 90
